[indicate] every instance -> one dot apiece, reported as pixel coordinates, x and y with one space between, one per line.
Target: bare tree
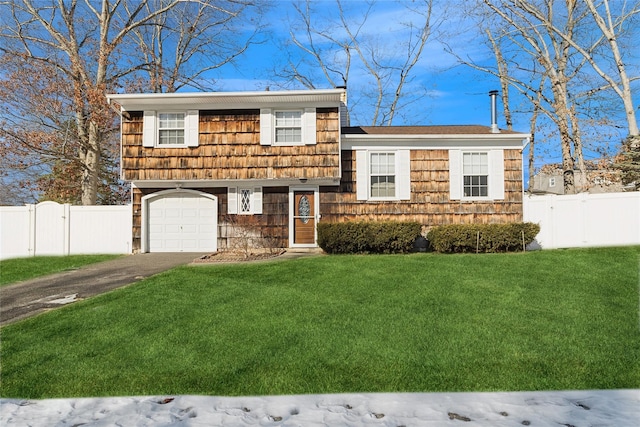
612 26
335 45
181 47
89 44
538 56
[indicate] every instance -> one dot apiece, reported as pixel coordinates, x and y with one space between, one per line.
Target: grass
19 269
548 320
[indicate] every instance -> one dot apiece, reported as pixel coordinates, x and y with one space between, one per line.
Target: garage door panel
172 245
206 228
157 213
155 229
190 228
190 245
182 223
172 228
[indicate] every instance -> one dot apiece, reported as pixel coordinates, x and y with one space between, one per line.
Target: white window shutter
496 174
309 126
192 130
455 174
266 127
362 175
257 200
232 200
149 129
403 174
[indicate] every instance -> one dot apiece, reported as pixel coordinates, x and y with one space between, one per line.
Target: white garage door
182 223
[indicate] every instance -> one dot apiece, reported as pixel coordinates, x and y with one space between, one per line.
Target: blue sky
456 95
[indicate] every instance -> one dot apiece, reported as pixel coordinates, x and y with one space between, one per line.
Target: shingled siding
229 148
430 204
272 224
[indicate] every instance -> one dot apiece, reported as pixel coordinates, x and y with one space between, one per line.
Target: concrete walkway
28 298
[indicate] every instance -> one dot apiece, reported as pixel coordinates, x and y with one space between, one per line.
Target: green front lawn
548 320
19 269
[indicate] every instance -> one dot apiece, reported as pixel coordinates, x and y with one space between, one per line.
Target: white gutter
196 95
141 101
518 136
435 141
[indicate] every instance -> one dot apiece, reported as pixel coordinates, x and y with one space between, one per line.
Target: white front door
182 222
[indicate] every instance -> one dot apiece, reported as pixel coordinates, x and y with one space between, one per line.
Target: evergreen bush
368 237
482 237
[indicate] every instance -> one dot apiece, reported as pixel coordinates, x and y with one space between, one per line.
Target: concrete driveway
28 298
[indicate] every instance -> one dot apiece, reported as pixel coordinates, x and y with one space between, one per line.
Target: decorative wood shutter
309 126
257 200
362 175
455 174
149 129
191 127
232 200
403 174
266 128
496 174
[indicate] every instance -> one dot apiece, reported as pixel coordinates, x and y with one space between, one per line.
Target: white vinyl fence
50 228
585 220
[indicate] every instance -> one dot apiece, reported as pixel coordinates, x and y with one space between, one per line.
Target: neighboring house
204 165
598 178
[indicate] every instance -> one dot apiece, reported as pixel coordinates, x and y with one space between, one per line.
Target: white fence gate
583 220
50 228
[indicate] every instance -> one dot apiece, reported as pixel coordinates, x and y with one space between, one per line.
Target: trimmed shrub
482 237
368 237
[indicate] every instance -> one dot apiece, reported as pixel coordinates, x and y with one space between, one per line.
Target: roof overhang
223 183
226 100
435 141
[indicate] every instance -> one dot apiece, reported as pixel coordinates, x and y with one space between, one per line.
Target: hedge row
482 237
368 237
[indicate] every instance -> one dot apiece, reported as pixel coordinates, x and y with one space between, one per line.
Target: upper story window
382 175
288 127
171 129
475 171
476 175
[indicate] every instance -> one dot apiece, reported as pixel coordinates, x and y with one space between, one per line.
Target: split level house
203 167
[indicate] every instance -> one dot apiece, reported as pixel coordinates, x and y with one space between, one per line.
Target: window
382 176
171 129
475 170
244 201
552 182
288 127
476 174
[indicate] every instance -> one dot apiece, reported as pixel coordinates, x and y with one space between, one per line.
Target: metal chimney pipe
494 111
